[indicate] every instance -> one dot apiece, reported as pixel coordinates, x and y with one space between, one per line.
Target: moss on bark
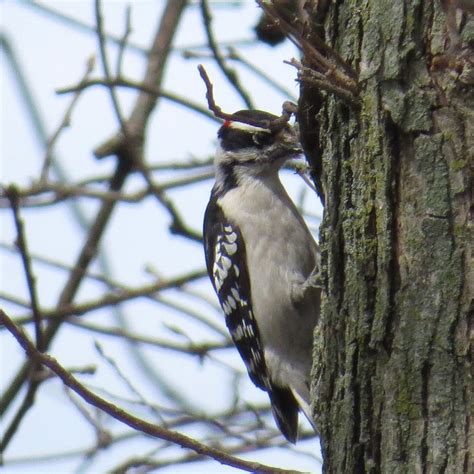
392 381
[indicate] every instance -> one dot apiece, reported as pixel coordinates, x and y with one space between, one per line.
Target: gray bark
392 383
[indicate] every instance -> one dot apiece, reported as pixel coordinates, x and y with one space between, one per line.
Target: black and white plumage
262 261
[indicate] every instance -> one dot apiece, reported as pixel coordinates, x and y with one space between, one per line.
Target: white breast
280 252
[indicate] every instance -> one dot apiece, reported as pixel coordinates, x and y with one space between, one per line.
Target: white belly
281 252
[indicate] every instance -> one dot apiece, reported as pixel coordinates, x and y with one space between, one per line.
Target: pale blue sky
53 55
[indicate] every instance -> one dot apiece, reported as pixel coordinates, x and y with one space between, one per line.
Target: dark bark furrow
391 378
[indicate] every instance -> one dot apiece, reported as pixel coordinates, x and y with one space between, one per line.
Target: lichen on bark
392 384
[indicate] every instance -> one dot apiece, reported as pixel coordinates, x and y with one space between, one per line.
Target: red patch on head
227 123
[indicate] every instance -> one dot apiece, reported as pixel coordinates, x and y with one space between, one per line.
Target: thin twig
104 438
15 299
152 90
269 79
274 124
145 103
12 195
73 453
229 73
124 40
124 417
65 122
193 313
105 66
213 107
178 225
79 25
84 370
306 74
67 309
199 349
335 72
234 55
35 380
113 364
157 58
72 285
33 196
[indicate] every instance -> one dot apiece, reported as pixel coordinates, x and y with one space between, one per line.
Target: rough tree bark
392 376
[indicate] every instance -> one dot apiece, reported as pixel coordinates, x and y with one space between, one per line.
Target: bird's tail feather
285 412
305 407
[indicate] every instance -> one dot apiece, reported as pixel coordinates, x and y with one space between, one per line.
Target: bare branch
65 122
336 74
111 362
104 438
156 62
306 74
124 40
67 309
278 122
33 196
84 370
229 73
130 420
145 103
152 90
12 195
213 107
87 452
200 349
188 311
105 65
72 285
234 55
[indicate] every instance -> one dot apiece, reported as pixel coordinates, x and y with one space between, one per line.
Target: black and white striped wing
227 268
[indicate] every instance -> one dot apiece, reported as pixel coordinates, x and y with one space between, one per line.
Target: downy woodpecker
263 263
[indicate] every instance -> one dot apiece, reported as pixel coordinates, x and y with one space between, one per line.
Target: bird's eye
262 139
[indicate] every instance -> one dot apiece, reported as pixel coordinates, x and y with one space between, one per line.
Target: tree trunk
392 375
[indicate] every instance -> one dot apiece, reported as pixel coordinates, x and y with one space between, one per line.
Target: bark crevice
392 388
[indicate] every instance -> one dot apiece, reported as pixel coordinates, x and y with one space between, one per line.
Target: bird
263 262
